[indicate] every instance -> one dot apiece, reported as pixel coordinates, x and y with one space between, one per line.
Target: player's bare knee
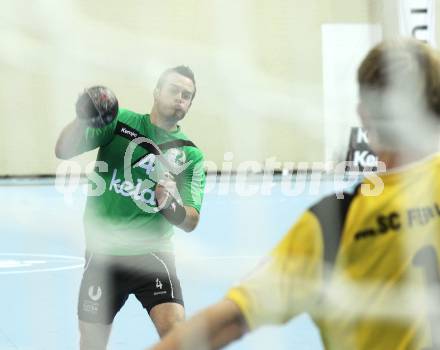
165 324
166 316
93 336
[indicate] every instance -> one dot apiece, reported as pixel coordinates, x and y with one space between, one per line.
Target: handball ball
97 106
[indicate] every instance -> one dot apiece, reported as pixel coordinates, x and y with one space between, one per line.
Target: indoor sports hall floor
41 264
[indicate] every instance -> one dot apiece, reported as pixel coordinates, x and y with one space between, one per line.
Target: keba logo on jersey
128 189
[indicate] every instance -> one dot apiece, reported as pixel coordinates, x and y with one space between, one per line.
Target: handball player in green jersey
148 178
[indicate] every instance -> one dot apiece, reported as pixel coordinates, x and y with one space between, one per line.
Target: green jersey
121 217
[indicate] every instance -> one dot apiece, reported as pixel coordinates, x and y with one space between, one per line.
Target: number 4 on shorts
158 283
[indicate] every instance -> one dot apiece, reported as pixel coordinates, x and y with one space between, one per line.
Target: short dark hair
182 70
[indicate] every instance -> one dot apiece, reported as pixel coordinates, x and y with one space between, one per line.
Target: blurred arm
191 219
286 283
213 328
191 190
164 196
77 137
69 141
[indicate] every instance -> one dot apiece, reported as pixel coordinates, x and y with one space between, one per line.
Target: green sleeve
192 182
97 137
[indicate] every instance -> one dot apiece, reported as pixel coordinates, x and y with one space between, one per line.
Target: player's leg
100 299
165 316
160 292
93 336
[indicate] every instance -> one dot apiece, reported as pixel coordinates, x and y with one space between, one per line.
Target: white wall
258 66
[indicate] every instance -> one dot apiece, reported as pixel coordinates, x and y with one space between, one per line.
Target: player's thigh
157 281
159 290
101 295
94 336
166 315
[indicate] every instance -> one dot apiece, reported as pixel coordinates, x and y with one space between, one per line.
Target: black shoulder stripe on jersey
176 143
167 145
130 133
331 213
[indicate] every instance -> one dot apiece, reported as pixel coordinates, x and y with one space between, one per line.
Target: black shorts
109 280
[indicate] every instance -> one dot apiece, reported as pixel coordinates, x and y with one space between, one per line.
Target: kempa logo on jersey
129 132
128 189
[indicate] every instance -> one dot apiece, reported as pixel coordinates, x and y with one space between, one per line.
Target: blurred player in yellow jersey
366 268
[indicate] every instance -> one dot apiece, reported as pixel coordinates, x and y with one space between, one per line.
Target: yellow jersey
366 268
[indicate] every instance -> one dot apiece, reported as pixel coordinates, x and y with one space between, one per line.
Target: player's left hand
165 192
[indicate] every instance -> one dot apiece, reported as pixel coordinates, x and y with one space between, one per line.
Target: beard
175 114
179 113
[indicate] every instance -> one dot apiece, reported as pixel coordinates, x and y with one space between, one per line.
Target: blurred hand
166 190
